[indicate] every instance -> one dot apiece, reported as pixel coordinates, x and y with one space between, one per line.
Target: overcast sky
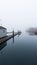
18 14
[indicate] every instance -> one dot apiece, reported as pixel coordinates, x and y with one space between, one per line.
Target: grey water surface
20 51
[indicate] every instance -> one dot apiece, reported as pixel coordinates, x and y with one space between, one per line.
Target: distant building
3 31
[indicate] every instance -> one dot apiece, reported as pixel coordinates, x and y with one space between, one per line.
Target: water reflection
13 39
3 45
19 33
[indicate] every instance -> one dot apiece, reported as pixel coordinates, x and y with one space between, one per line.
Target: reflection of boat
3 45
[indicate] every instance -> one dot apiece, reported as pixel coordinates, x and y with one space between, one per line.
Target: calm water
22 52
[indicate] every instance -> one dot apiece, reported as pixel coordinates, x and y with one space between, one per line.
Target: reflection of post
13 36
13 39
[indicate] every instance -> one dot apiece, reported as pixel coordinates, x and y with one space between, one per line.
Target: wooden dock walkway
8 37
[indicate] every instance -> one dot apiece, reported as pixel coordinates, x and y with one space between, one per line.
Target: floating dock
4 39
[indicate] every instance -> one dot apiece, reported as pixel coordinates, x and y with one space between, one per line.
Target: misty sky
18 14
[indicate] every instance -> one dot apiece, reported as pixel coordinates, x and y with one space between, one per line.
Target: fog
18 14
